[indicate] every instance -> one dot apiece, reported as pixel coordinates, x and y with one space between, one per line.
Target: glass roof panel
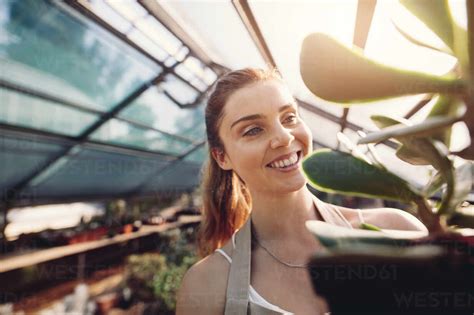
147 44
119 132
129 9
198 155
109 15
20 157
180 176
197 73
195 130
179 90
27 111
286 23
155 109
219 30
97 173
71 56
156 31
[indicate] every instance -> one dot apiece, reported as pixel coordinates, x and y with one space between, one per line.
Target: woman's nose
282 137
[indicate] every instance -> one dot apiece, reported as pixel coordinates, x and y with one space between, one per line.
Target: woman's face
260 125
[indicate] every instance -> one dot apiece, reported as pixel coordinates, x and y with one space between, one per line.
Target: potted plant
390 272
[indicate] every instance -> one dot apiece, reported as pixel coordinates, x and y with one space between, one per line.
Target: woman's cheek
305 136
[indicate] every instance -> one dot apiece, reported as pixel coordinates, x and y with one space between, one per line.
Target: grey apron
237 295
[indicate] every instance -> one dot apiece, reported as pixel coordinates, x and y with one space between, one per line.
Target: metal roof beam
245 13
365 13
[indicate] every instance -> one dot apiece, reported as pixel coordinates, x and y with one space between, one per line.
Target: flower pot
434 276
106 302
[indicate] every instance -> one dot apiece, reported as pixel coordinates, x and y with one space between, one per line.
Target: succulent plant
344 76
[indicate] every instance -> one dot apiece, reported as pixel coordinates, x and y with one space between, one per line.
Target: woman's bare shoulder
204 286
385 218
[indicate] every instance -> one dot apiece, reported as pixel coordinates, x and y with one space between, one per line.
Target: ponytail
226 206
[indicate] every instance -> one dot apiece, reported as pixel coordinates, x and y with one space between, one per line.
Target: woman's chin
292 185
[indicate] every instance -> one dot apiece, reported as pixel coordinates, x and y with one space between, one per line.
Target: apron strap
237 297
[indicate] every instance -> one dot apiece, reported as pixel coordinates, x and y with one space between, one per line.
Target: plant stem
433 222
468 119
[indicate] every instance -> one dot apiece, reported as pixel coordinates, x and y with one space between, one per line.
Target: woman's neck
282 217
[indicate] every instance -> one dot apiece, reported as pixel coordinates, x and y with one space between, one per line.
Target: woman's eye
252 132
291 118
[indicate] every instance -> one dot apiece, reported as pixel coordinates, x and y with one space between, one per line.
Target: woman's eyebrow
260 116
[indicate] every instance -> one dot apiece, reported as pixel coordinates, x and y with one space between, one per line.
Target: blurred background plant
154 278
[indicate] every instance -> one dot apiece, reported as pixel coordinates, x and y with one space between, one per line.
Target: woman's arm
393 219
384 218
203 287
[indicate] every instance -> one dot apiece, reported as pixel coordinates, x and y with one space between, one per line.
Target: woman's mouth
288 164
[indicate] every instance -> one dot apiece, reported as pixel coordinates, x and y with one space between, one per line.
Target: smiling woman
254 190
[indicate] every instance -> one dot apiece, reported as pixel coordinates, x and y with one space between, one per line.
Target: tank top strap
330 213
237 295
361 217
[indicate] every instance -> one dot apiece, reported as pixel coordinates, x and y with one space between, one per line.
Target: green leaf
410 156
444 106
462 186
372 152
370 227
436 153
469 41
433 151
426 128
435 14
338 172
336 73
420 151
413 40
461 48
382 121
433 185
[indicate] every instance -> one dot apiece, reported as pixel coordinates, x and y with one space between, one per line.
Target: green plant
140 273
156 277
340 74
166 283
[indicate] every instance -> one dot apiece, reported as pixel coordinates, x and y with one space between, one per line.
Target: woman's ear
221 158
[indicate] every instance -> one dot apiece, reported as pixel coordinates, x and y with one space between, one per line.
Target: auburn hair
226 201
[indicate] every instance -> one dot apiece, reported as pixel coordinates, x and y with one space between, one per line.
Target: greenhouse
104 153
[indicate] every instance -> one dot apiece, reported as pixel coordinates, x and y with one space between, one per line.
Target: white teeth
286 162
